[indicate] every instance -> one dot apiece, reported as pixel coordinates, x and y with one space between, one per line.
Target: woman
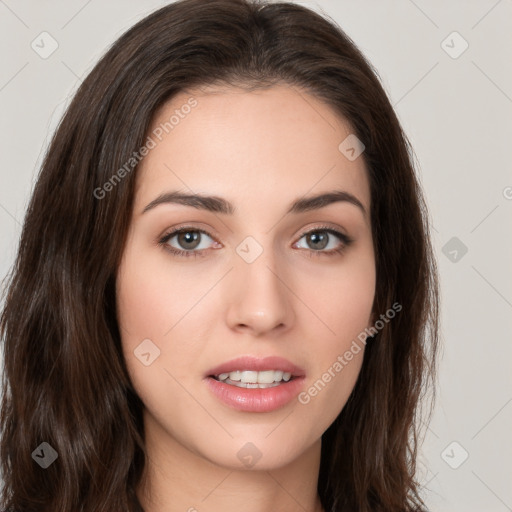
225 295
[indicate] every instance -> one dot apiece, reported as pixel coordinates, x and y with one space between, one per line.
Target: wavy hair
64 380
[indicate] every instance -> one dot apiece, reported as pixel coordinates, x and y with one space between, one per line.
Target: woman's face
249 282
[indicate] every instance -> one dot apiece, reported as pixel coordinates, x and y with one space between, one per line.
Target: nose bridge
261 298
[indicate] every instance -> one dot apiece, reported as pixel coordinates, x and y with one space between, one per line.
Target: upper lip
257 364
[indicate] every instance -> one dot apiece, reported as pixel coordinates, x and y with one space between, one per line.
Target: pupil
188 237
315 237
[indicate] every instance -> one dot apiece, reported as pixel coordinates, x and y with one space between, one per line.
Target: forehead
256 146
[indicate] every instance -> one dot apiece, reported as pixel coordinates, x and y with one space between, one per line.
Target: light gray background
457 113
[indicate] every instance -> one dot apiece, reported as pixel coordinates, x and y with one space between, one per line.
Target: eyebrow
219 205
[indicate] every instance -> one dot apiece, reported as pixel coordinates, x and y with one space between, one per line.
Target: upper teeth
265 377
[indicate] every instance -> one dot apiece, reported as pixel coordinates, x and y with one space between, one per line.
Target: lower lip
256 399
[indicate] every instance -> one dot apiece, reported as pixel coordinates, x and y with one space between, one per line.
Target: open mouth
251 379
251 384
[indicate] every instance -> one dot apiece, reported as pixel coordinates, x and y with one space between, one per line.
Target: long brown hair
65 382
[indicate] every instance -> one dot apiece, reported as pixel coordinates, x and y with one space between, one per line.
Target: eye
189 239
321 237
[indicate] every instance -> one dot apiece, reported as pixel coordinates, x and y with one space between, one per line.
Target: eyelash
346 242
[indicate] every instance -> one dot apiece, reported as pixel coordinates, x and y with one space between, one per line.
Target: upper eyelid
175 231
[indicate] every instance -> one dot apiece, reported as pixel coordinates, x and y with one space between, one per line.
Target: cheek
149 305
156 301
151 295
339 298
338 354
343 302
152 309
328 390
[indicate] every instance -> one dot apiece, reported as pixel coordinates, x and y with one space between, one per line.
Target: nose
260 298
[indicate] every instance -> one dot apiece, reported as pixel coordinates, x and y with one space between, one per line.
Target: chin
257 453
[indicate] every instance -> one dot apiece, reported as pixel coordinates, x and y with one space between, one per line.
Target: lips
257 364
251 397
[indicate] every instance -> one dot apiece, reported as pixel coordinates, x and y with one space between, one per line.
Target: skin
261 150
